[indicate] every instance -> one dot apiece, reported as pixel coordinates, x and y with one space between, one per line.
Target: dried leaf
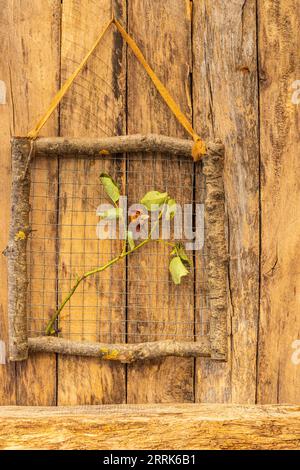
153 200
110 186
179 250
177 269
171 209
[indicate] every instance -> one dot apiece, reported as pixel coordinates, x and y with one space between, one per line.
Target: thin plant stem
50 327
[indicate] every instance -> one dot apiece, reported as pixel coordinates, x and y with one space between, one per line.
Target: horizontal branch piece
155 426
125 353
64 146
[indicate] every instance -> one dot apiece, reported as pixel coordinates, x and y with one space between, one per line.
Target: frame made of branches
23 150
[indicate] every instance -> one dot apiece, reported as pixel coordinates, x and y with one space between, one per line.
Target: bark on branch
217 251
64 146
125 353
16 251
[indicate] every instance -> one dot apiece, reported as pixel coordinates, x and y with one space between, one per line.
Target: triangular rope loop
199 147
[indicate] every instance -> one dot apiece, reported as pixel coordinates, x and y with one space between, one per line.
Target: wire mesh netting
134 300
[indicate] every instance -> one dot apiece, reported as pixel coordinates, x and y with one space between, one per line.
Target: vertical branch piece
16 250
213 165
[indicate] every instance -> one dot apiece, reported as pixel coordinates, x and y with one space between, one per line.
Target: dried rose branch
153 199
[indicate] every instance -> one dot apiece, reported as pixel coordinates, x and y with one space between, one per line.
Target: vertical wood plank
93 107
7 370
34 70
225 107
163 32
279 45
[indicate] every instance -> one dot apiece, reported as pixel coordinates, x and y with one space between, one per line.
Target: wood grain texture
32 30
7 370
279 45
212 427
225 107
93 107
164 36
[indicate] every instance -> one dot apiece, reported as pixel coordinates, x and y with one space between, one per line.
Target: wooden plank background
85 381
165 36
232 67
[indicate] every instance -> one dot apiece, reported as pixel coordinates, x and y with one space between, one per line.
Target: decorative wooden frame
23 150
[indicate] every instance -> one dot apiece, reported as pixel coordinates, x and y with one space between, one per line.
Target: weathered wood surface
168 24
94 107
7 370
225 103
279 68
151 427
30 67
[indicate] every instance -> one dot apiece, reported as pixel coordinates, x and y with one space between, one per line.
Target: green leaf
179 250
110 186
171 209
154 198
130 240
177 269
111 214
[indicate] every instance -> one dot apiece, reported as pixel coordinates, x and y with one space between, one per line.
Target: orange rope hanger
199 147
